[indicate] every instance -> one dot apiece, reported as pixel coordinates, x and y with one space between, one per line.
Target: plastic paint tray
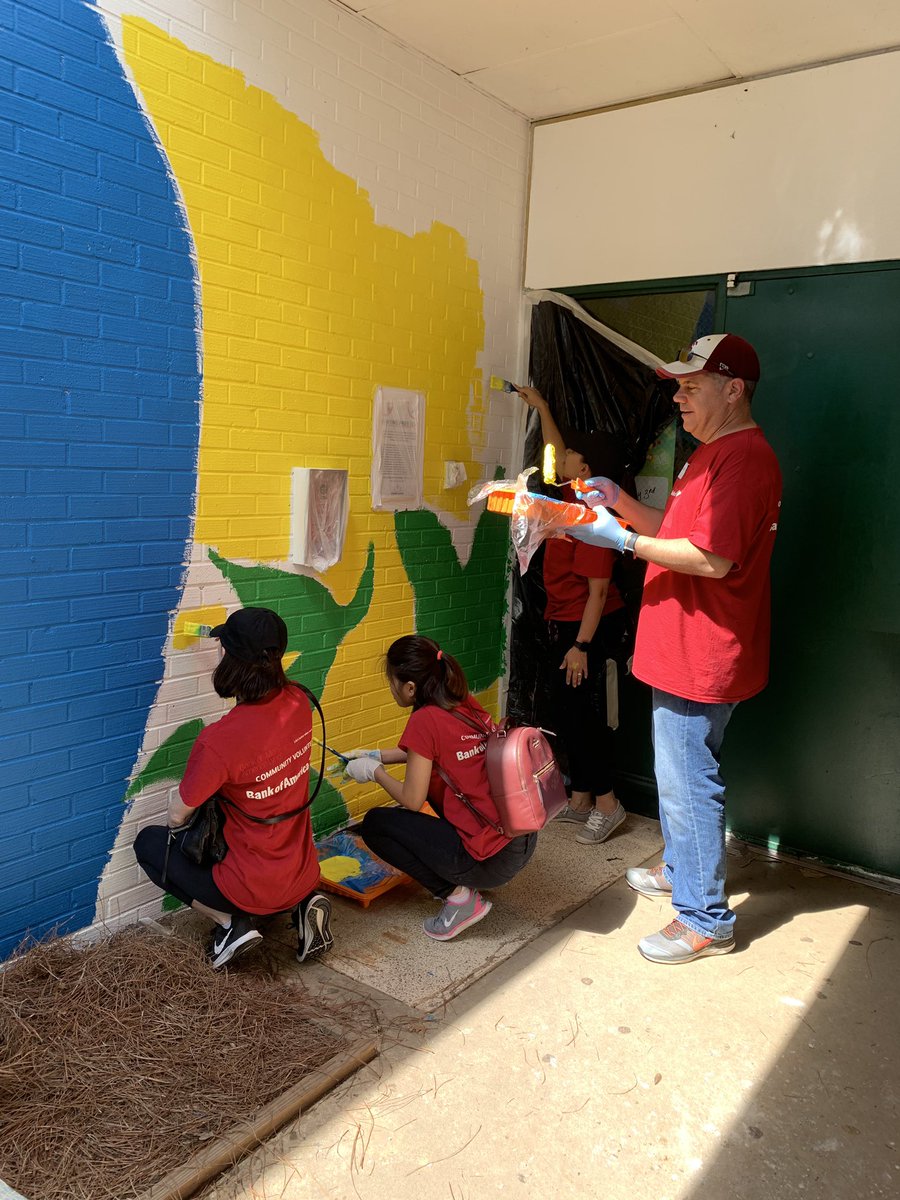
327 849
501 501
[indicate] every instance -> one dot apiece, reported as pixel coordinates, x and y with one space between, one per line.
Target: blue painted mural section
99 422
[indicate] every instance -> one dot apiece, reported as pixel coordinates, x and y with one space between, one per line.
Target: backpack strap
464 800
295 812
472 721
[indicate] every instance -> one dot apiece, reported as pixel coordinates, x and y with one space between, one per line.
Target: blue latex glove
602 491
605 531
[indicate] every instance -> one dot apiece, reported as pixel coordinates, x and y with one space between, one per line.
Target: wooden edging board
226 1150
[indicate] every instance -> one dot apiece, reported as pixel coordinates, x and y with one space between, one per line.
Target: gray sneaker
573 815
649 881
600 825
454 918
678 944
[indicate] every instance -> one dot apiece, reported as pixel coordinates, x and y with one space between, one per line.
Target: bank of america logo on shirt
462 755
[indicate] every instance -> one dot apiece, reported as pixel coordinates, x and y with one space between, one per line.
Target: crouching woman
460 852
257 758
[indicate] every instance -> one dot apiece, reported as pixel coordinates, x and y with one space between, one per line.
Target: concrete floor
576 1069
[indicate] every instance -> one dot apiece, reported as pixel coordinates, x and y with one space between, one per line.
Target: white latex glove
361 770
376 754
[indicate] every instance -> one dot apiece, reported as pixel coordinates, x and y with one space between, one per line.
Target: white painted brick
337 41
291 15
388 68
354 76
310 51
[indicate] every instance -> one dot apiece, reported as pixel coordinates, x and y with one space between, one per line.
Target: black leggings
432 852
185 880
582 723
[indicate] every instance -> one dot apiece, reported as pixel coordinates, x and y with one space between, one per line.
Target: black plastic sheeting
589 383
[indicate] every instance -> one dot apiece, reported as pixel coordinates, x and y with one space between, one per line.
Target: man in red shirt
703 632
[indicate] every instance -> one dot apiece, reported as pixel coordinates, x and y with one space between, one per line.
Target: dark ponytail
437 676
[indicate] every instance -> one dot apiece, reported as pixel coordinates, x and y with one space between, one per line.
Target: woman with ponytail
461 851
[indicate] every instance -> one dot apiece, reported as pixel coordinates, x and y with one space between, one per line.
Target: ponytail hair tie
440 655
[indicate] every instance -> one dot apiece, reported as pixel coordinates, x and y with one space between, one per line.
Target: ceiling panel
757 36
553 58
664 57
468 35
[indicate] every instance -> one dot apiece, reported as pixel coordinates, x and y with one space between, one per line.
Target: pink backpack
525 780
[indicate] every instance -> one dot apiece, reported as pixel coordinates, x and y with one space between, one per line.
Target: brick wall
205 277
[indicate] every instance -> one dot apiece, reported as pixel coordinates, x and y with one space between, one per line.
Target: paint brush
337 754
501 385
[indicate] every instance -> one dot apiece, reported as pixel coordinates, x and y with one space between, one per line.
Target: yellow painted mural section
308 305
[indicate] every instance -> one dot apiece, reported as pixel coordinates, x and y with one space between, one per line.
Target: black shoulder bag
203 833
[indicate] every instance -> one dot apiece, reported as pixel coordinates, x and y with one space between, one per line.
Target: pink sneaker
454 918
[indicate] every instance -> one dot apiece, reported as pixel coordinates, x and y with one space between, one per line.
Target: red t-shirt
568 565
708 639
258 756
437 735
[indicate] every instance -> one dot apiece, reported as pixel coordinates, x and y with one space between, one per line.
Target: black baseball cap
250 632
603 452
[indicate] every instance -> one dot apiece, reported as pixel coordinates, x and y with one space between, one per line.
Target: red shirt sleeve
203 776
420 735
593 562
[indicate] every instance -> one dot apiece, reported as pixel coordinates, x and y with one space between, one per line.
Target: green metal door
814 762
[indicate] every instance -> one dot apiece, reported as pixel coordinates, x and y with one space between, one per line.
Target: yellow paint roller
548 470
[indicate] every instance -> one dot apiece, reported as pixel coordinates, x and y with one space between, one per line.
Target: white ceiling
548 58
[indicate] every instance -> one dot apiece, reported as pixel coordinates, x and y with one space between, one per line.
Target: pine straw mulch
119 1060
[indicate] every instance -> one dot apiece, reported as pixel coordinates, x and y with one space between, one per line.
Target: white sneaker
600 825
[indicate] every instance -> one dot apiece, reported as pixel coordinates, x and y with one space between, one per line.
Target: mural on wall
308 305
225 231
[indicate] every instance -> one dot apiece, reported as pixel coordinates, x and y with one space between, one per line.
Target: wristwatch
630 542
583 646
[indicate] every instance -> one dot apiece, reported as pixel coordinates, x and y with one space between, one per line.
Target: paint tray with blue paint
349 868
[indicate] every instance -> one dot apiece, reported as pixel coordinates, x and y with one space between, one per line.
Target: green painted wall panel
814 762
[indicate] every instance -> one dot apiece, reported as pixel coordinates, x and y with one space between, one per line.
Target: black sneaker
316 935
229 943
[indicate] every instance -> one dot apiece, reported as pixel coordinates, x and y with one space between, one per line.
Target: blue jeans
687 741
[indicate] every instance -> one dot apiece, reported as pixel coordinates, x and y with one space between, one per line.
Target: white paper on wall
398 449
319 505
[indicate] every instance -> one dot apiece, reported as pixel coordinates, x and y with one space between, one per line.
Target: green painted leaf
316 623
169 761
460 607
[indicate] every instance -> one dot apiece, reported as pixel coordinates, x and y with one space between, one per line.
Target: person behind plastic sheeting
586 623
703 630
257 758
444 743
